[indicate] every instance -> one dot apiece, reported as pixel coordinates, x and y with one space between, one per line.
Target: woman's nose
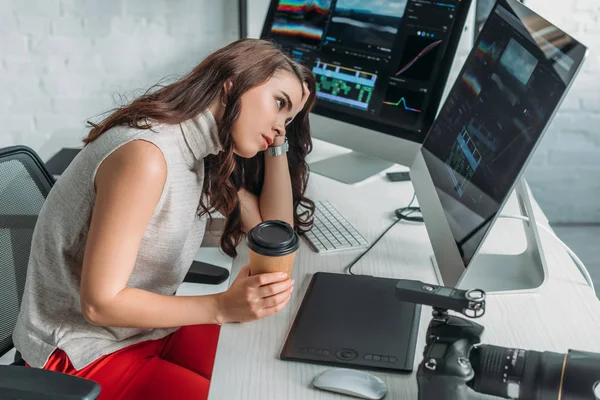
279 130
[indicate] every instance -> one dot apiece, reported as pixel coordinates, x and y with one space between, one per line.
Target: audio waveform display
302 20
402 102
402 106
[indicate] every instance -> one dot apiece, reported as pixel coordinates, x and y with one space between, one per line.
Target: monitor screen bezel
436 93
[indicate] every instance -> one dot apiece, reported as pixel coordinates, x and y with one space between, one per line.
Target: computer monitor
496 113
381 67
482 12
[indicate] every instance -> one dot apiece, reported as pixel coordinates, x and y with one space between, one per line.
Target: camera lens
515 373
495 367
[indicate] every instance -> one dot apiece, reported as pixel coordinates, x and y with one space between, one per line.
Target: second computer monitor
379 65
510 87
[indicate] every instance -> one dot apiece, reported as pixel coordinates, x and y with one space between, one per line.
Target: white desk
564 314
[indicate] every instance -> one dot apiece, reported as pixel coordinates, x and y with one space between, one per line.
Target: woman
121 226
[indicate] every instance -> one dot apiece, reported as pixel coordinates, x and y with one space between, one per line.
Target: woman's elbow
93 312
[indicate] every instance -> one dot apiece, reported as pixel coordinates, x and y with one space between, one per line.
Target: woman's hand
278 140
254 297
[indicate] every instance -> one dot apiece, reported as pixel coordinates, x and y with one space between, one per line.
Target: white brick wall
62 62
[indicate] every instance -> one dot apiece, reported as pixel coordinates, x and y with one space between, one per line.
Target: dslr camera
455 363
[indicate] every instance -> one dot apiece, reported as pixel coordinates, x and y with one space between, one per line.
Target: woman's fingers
272 301
266 279
279 301
274 288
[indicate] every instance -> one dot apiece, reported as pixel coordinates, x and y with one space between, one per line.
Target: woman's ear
227 85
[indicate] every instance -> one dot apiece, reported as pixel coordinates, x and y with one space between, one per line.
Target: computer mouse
351 382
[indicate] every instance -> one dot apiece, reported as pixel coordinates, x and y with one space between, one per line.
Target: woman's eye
280 103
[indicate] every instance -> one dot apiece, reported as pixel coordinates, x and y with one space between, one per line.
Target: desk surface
563 314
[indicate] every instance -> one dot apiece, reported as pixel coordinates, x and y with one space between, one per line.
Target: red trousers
178 366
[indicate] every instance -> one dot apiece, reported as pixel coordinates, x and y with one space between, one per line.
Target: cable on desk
370 247
580 266
405 212
402 214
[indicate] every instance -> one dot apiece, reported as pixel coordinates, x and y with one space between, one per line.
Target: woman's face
265 111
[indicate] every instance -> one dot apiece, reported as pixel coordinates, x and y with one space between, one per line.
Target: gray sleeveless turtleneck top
50 315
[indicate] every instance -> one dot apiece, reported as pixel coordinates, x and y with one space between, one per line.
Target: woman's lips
268 141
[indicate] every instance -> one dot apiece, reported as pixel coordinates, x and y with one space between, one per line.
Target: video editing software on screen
377 60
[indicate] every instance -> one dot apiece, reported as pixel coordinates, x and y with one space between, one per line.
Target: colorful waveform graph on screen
402 106
402 103
301 20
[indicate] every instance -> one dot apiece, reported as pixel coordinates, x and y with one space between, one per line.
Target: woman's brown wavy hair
244 64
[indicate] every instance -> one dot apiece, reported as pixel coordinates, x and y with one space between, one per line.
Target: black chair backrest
24 186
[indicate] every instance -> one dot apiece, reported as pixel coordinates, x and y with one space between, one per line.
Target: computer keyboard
332 232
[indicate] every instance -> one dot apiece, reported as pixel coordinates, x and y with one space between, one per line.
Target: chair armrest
17 221
201 272
26 383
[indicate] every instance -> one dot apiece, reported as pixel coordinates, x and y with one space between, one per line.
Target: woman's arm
276 199
129 184
250 210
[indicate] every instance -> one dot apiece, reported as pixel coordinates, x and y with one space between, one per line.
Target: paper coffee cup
273 246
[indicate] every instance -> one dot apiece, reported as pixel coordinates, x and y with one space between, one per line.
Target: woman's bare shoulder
138 160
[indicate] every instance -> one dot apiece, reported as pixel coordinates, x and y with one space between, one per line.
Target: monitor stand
350 168
509 273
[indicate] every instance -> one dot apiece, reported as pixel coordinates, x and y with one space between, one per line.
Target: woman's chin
246 152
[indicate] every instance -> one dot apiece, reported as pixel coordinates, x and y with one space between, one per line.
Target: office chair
24 185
